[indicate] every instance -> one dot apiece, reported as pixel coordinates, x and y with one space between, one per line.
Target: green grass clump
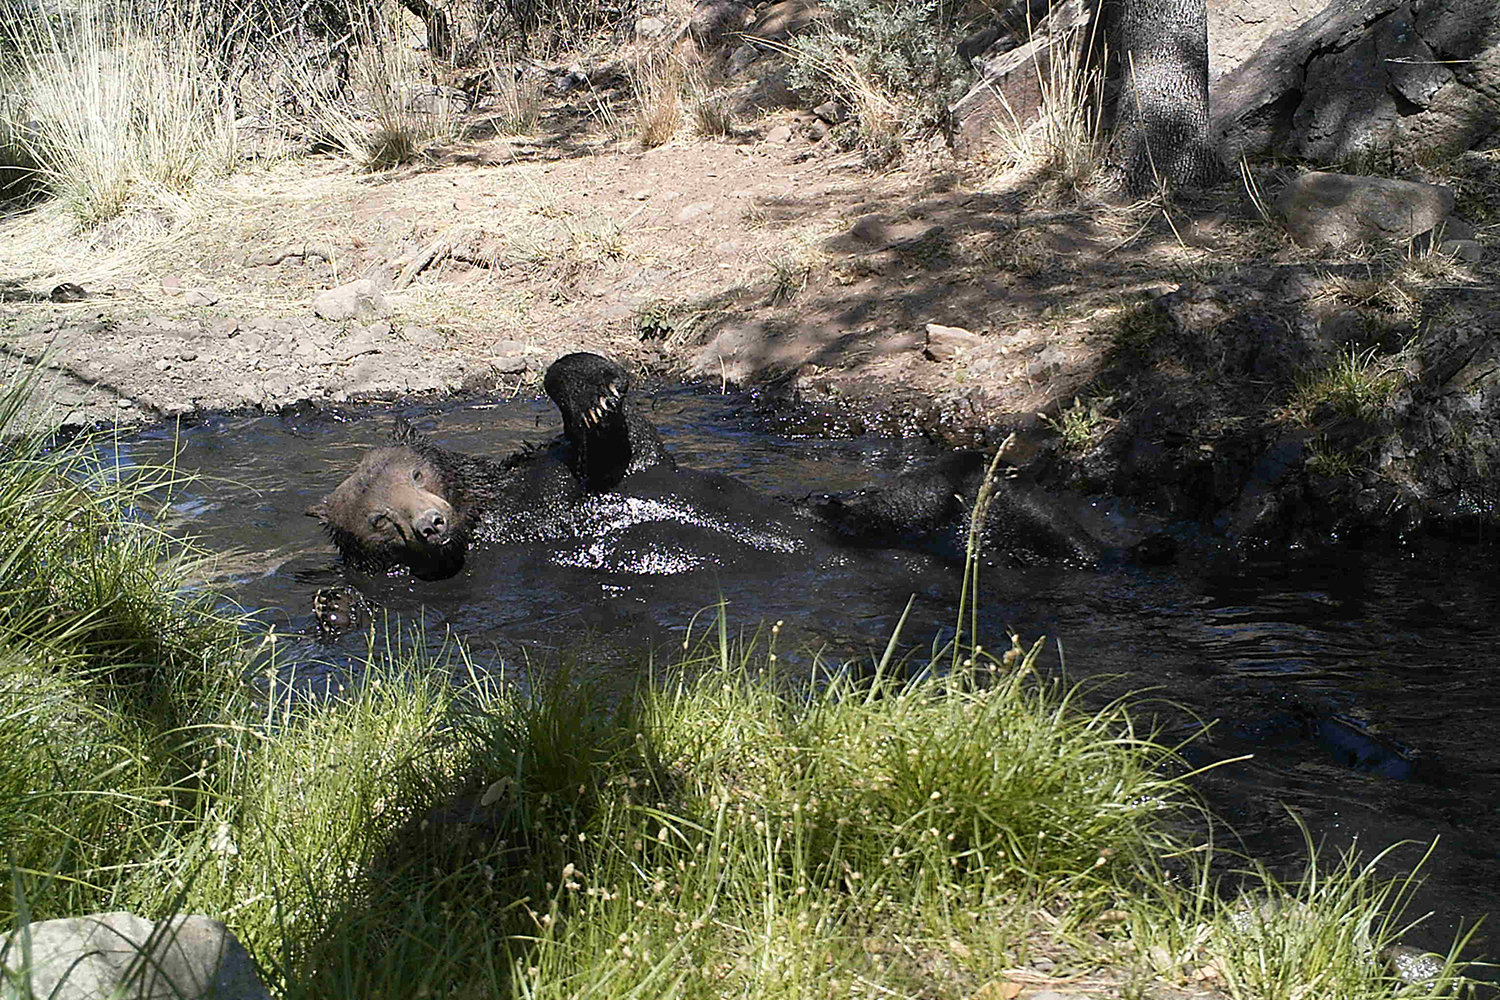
770 833
1358 385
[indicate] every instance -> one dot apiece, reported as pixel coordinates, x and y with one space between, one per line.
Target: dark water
1361 681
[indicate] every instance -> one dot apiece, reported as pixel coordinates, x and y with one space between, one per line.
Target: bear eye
416 475
376 520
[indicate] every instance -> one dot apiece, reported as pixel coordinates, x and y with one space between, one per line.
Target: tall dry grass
115 112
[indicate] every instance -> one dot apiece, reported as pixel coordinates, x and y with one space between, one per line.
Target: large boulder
1012 84
781 21
715 21
1319 208
120 956
1378 81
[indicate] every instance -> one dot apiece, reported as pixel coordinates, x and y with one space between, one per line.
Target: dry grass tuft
518 102
657 83
116 112
1062 148
388 121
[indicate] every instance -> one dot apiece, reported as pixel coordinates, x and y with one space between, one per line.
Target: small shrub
1077 423
893 64
789 278
1137 330
902 49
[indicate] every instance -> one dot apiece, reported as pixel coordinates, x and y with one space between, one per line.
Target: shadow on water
1360 681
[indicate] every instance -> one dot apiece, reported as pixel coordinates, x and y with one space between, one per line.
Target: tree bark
439 33
1158 54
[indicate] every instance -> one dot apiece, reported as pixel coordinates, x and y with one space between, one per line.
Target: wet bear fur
418 505
607 436
930 509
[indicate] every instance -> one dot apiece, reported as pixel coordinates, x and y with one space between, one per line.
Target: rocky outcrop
1014 81
1374 81
123 955
1219 427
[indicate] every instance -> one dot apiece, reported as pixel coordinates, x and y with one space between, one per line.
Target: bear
929 508
608 437
416 506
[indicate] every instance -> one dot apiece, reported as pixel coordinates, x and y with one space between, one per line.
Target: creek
1360 679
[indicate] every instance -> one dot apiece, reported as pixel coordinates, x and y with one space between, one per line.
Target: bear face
402 507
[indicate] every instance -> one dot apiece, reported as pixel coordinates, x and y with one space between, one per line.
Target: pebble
162 365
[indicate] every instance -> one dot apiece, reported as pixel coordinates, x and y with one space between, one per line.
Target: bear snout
432 526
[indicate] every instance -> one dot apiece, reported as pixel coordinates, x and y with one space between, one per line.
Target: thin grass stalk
968 599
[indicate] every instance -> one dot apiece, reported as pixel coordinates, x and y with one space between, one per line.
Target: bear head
402 507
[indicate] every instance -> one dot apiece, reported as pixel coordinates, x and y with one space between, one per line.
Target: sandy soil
761 257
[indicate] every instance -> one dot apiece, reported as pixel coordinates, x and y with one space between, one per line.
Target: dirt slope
768 258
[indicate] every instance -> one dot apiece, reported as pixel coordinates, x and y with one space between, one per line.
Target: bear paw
340 609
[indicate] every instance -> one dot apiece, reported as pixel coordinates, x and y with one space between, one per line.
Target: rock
1319 208
944 342
870 229
508 364
1009 91
650 28
780 135
200 297
424 337
172 285
979 41
359 300
832 112
713 21
1454 238
696 210
781 21
741 58
366 341
1371 79
121 954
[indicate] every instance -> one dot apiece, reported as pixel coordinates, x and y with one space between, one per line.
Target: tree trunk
439 33
1158 53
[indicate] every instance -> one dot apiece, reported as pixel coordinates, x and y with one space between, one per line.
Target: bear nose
431 525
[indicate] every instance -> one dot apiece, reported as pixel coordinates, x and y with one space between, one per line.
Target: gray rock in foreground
359 300
120 956
1319 208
